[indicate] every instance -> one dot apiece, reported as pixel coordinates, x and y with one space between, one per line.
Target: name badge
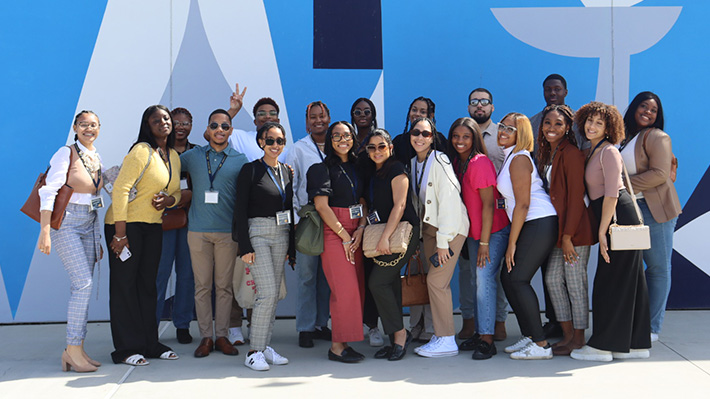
373 218
108 187
211 197
97 203
356 211
283 217
501 203
183 184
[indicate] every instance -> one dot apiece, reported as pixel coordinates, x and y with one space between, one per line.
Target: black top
258 196
342 189
403 147
382 201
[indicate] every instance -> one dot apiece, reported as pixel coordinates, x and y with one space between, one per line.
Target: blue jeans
658 264
467 300
313 307
485 279
175 249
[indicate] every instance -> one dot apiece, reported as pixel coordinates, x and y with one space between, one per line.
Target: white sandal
169 355
136 360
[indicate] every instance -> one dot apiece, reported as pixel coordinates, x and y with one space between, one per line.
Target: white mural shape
585 32
685 242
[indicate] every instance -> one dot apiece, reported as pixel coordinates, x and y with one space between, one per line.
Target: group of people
500 200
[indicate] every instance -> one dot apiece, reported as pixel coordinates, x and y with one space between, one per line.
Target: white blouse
57 177
540 205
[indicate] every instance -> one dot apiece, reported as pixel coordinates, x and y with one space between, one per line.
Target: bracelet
349 242
118 239
340 231
485 244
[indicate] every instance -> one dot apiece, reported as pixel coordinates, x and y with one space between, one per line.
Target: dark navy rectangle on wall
347 34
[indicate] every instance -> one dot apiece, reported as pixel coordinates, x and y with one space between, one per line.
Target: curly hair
543 146
614 123
524 139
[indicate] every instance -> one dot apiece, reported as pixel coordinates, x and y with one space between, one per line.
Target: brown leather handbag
174 218
414 288
32 205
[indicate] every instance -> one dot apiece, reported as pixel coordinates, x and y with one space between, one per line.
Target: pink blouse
480 174
603 173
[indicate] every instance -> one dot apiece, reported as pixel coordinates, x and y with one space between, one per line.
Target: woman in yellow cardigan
134 237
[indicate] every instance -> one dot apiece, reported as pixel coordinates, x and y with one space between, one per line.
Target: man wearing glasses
213 169
480 108
265 110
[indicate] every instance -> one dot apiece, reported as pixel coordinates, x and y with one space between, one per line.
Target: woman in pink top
488 234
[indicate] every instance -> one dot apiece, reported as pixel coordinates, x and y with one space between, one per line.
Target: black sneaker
484 351
183 336
471 343
305 339
323 333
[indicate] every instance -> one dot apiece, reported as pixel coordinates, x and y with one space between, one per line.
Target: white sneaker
428 344
274 358
375 337
633 354
256 361
654 337
235 336
522 343
533 352
439 347
591 354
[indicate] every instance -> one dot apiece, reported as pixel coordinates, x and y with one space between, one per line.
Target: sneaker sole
437 354
592 358
530 357
631 355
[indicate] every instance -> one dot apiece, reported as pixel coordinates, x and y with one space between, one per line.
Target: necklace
92 161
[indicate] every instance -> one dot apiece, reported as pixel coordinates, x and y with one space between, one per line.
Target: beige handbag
631 237
398 240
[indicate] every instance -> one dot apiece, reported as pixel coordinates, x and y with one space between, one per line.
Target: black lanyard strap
281 187
96 181
592 152
320 153
418 179
209 167
353 186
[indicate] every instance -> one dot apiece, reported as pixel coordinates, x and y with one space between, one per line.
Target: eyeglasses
88 125
359 112
340 137
417 133
186 124
265 113
482 101
215 125
372 148
279 141
506 129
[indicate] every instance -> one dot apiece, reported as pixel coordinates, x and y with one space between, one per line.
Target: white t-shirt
245 142
629 156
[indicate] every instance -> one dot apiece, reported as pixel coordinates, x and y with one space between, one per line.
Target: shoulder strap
633 195
150 156
71 156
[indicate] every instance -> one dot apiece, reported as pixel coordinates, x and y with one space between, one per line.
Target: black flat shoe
484 351
384 352
344 357
471 343
398 351
305 339
352 352
183 336
323 333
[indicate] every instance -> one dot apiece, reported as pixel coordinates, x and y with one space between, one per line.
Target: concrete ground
679 367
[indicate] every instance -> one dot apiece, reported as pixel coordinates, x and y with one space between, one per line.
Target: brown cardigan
567 195
653 167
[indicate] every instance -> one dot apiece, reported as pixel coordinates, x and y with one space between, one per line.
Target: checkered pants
77 243
568 287
270 243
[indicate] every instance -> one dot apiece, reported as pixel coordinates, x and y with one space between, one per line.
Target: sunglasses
342 137
270 141
264 113
482 101
372 148
358 112
215 125
506 129
417 133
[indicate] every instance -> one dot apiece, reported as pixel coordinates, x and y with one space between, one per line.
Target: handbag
309 232
629 237
174 218
414 288
399 240
246 295
32 205
111 174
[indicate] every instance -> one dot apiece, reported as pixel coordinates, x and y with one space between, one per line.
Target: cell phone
434 259
125 254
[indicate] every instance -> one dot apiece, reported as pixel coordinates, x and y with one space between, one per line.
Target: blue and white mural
116 57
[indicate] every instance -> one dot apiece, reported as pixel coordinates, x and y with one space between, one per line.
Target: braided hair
543 146
430 110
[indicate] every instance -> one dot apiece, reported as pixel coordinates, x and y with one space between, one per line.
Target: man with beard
480 107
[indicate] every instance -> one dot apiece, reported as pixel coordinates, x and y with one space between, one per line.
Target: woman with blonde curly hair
621 324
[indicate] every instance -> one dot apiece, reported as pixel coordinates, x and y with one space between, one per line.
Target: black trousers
370 315
536 240
386 286
621 317
133 293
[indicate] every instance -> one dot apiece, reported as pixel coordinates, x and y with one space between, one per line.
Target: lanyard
281 187
592 152
98 179
352 185
320 153
209 167
418 181
545 182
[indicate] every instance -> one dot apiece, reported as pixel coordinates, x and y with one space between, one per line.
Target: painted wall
117 57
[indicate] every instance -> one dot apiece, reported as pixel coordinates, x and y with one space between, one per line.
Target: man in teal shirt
213 169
